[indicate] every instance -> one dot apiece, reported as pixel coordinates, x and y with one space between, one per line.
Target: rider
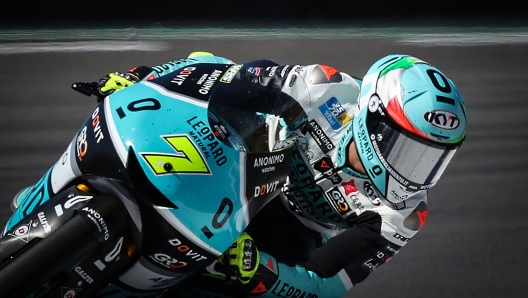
365 155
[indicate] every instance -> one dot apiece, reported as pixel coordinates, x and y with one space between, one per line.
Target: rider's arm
348 258
333 268
358 250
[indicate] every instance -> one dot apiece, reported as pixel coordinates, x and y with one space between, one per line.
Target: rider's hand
242 259
116 81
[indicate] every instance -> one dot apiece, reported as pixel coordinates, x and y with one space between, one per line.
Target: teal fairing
212 158
36 196
206 157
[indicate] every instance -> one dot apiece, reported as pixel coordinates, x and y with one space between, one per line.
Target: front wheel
70 246
46 258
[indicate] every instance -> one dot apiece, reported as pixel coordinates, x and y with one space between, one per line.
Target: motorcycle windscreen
250 119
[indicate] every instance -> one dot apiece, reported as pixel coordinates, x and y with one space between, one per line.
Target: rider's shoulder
330 87
324 74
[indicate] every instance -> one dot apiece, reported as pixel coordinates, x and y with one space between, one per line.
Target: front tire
46 258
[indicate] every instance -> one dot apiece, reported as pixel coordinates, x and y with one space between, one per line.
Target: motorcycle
157 183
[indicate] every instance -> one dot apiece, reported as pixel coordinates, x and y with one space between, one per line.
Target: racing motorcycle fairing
188 162
178 153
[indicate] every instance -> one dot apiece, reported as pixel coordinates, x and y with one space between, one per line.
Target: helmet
409 122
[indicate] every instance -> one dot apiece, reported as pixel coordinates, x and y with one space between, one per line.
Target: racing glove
116 81
239 272
239 262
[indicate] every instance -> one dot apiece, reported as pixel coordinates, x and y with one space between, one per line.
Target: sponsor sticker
326 167
69 292
167 261
373 104
371 265
82 144
98 220
264 189
208 82
323 74
398 206
22 232
400 237
371 193
186 250
442 119
44 222
96 124
335 113
230 74
179 78
320 136
338 201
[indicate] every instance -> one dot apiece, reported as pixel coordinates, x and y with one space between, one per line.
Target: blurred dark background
474 243
18 14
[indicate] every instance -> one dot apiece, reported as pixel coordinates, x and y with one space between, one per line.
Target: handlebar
88 89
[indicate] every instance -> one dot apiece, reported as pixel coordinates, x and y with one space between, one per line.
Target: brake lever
86 88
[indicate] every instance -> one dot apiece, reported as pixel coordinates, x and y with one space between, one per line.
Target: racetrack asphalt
475 240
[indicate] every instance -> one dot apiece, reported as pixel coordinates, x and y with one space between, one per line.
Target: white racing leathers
360 229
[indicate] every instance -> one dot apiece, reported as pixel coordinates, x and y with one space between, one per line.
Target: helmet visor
414 162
